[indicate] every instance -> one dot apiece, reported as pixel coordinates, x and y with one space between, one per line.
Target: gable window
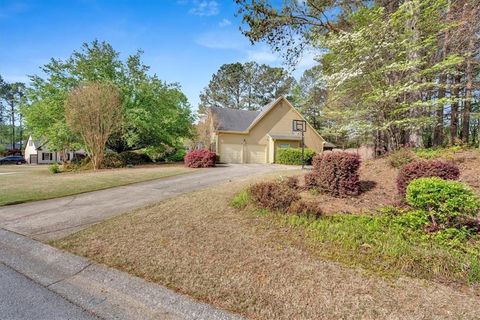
46 156
30 143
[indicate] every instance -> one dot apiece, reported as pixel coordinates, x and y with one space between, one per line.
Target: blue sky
184 41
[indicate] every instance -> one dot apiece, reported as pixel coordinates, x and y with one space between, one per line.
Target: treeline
12 96
155 115
390 73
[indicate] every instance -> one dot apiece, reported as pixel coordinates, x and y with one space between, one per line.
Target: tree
245 86
310 96
402 74
94 111
154 112
13 96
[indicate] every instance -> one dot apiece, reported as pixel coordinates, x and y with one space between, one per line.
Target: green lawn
30 183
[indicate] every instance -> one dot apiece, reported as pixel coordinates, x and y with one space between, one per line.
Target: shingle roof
233 119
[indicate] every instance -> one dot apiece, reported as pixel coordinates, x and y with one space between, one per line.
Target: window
284 145
46 156
30 143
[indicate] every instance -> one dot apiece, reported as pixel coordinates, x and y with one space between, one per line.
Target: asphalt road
22 298
56 218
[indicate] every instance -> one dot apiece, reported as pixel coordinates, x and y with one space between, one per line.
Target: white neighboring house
37 152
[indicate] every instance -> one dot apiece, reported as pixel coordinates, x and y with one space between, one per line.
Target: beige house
240 136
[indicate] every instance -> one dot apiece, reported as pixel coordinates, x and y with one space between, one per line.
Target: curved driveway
56 218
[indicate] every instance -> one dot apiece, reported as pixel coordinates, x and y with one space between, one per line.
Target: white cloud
205 8
262 55
224 23
222 40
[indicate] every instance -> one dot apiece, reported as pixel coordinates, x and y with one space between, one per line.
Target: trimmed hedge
293 156
442 200
275 196
425 169
134 158
336 173
112 160
200 159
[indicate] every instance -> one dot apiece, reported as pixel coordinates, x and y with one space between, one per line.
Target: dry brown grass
34 182
250 264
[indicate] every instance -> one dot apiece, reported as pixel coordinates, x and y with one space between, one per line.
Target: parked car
12 160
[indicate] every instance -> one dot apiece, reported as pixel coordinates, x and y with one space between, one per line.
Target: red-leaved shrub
292 182
200 159
273 195
425 169
337 173
311 179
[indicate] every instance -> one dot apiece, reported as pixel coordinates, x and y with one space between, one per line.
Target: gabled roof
233 119
243 121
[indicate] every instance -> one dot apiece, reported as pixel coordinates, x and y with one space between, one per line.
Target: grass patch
241 200
382 244
31 183
435 153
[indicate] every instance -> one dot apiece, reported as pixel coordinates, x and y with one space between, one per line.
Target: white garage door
256 153
231 153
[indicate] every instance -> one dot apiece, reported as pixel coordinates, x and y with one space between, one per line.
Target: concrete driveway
56 218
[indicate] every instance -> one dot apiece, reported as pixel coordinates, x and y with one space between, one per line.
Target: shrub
305 208
291 182
176 156
200 159
401 157
426 168
273 195
293 156
442 200
54 168
311 179
337 173
134 158
112 160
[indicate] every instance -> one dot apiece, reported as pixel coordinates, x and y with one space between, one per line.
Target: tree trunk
454 112
12 106
468 96
438 130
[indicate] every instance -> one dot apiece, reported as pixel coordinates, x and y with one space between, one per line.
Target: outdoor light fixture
301 126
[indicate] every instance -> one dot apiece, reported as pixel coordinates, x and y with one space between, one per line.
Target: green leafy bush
442 200
134 158
434 153
275 196
401 157
176 156
112 160
54 168
293 156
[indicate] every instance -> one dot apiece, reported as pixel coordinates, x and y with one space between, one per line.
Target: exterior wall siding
277 121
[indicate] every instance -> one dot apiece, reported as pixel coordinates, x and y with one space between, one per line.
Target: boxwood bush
293 156
425 169
442 200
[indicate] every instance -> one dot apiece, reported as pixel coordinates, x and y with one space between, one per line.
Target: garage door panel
256 153
231 153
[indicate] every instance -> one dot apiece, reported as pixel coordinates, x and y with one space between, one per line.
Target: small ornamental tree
425 169
94 111
336 173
